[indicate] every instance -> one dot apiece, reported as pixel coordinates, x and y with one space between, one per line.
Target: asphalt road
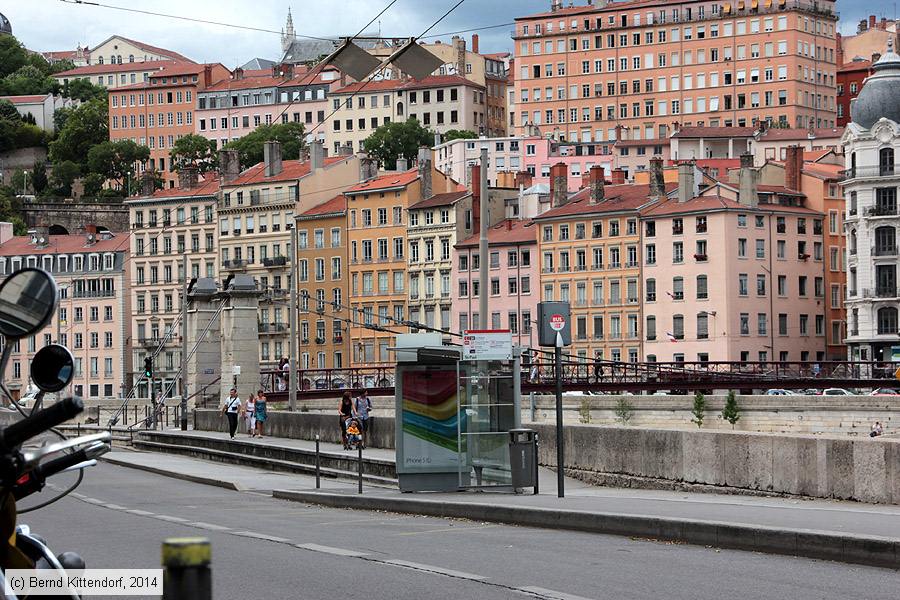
121 516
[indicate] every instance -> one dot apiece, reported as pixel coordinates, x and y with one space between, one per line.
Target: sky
57 25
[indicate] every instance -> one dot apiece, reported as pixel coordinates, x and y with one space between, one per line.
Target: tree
731 413
459 134
12 55
194 150
93 185
623 410
85 127
250 147
11 210
8 111
84 90
61 65
39 177
115 160
27 80
397 140
64 175
699 409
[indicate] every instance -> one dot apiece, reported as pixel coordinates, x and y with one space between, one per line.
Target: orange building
646 66
157 112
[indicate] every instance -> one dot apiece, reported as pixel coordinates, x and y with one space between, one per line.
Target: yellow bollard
186 569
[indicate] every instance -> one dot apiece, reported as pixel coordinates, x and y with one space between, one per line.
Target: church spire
287 34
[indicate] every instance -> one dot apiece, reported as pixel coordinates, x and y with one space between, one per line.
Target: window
702 287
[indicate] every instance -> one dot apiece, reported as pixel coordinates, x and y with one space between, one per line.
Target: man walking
598 367
363 405
231 408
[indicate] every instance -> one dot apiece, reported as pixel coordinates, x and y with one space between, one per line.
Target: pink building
539 154
514 281
736 273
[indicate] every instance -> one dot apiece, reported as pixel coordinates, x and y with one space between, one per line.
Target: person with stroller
363 406
345 412
354 436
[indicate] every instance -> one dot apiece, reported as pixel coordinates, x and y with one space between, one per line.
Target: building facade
92 273
851 77
648 67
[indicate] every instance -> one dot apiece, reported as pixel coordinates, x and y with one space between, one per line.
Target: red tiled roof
180 68
714 132
577 10
440 200
509 231
209 187
647 142
431 81
778 189
618 198
822 170
855 65
25 99
156 49
439 81
716 203
338 204
260 78
63 244
372 86
61 54
389 181
497 55
799 134
816 155
290 169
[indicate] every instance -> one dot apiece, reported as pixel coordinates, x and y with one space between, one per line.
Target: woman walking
345 411
260 413
250 414
283 368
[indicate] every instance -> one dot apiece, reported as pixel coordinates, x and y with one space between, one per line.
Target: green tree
12 55
27 80
8 111
61 65
84 90
20 182
39 177
116 160
93 185
623 410
85 126
459 134
11 210
194 150
730 412
699 409
64 175
250 147
397 140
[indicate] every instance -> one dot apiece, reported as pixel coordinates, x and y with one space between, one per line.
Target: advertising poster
429 421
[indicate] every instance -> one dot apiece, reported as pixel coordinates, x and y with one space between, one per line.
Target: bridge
579 376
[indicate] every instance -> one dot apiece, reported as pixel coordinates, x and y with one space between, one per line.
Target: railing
234 264
274 261
884 251
871 171
378 380
881 292
273 328
94 294
882 211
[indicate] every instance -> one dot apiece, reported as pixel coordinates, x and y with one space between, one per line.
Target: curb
825 545
228 485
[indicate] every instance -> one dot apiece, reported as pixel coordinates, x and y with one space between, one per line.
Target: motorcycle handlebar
21 431
34 480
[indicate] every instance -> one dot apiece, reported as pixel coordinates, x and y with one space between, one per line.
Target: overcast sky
56 25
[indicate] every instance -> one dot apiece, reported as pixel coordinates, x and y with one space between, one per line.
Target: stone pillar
240 344
204 366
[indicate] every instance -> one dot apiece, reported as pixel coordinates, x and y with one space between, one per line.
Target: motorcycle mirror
27 302
52 368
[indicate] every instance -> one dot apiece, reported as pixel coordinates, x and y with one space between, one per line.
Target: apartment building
157 112
92 274
637 70
850 80
115 76
733 274
256 215
589 248
166 226
234 107
438 102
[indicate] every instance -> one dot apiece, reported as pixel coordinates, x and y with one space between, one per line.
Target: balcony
272 328
866 172
234 265
701 257
882 211
884 250
320 340
338 339
94 294
881 292
275 261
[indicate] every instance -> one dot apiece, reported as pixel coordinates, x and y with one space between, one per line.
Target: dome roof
878 97
5 25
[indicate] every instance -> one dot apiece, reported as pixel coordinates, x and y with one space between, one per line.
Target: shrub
584 411
731 413
624 410
699 409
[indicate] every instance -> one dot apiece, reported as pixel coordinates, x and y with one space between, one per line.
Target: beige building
92 273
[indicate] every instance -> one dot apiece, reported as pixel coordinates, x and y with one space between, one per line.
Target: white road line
550 594
330 550
114 506
171 519
260 536
433 569
447 530
92 500
140 513
77 495
210 526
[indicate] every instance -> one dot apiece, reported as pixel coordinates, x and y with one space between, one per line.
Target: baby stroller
354 436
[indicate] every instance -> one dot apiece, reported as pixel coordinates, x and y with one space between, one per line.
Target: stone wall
76 215
864 469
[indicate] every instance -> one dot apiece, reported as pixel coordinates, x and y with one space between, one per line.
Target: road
122 515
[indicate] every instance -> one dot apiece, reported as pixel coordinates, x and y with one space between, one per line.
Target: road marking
261 536
171 519
114 506
210 526
140 513
92 500
550 594
433 569
447 530
330 550
76 495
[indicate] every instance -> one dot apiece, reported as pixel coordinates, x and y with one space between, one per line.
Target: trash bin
522 457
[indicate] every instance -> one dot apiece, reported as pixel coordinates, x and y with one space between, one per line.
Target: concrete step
120 435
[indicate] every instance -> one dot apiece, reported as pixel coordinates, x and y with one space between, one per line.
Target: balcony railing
94 293
882 211
871 171
273 328
881 292
884 250
275 261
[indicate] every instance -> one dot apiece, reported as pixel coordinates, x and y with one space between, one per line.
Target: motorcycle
31 449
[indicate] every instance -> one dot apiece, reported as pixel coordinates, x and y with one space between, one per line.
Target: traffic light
148 367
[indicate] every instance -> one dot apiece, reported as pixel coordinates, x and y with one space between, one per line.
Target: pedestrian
363 407
249 413
598 367
283 368
345 411
535 372
260 413
231 408
877 430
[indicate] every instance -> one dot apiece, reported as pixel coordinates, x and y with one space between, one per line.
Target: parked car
885 392
777 392
836 392
811 392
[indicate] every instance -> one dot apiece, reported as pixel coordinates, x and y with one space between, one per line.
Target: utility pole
483 282
292 320
184 351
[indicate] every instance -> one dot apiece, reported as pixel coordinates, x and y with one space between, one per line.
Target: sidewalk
836 530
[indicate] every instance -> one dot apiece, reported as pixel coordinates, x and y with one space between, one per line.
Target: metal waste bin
522 457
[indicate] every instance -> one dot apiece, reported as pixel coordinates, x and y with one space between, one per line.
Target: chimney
368 167
459 46
523 179
875 57
345 150
148 183
685 181
872 21
475 179
617 177
229 165
272 157
424 167
316 155
862 26
237 74
657 182
559 184
475 43
402 165
187 177
555 5
596 183
793 167
747 194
